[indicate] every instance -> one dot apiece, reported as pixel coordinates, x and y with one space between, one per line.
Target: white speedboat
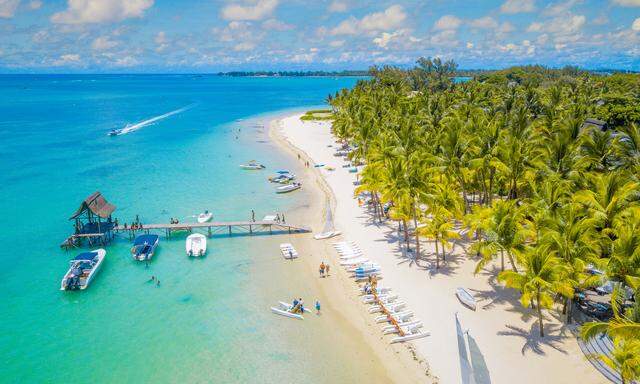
196 245
205 216
252 166
288 187
466 298
326 235
82 269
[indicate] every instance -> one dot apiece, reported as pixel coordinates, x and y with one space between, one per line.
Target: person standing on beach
317 307
322 269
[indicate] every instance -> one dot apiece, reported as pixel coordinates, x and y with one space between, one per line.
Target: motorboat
466 298
252 166
115 132
288 251
282 178
205 216
144 246
288 187
196 245
82 269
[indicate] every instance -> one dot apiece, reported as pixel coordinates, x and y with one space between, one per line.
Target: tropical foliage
538 166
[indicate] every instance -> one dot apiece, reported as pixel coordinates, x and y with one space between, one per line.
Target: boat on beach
466 298
326 235
205 217
144 247
285 309
82 269
288 251
196 245
252 166
289 187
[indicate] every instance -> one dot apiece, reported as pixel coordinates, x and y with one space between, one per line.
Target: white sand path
502 345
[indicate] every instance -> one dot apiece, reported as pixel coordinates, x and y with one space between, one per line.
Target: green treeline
537 167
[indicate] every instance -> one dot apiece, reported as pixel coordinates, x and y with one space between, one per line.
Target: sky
164 36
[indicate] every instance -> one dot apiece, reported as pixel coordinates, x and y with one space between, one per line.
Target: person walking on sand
317 307
322 269
326 269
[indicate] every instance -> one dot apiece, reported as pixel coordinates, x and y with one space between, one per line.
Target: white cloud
8 8
636 24
103 43
162 43
447 22
390 18
627 3
337 6
385 38
447 37
68 59
535 27
469 45
126 61
518 6
560 7
257 11
100 11
486 22
244 46
277 25
35 4
337 43
562 25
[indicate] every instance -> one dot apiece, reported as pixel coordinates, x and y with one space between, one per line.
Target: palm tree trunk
444 252
406 233
415 224
437 253
501 260
539 308
512 262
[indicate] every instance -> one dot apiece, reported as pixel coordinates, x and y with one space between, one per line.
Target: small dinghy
205 217
288 188
466 298
284 309
326 235
196 245
288 251
252 166
82 269
144 247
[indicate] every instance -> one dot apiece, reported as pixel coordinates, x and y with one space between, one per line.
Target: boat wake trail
134 127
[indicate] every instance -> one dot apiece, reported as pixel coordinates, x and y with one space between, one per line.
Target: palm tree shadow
554 338
497 294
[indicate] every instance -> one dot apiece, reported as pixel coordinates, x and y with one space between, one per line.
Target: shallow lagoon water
209 319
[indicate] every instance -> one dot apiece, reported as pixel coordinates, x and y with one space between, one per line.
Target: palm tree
624 359
539 280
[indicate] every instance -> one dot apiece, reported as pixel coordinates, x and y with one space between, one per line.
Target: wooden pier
216 227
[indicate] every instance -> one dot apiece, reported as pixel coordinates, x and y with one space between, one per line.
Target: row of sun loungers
381 301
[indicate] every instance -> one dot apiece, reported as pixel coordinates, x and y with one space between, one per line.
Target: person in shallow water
317 307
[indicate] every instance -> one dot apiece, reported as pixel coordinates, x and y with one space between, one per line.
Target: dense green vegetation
507 158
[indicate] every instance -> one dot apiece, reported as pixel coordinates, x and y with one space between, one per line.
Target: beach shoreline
398 362
496 344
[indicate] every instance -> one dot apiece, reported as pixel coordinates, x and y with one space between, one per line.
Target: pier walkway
214 227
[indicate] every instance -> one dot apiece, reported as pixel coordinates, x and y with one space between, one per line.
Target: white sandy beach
502 345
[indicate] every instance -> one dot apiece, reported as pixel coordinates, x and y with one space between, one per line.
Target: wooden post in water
250 229
229 230
209 231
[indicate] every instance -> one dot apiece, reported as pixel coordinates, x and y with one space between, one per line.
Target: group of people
156 280
134 226
298 306
324 269
370 285
174 221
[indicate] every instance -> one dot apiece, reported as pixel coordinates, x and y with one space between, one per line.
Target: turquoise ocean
208 321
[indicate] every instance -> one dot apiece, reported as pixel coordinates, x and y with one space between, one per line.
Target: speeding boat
115 132
144 246
205 216
82 269
196 245
288 188
252 166
466 298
